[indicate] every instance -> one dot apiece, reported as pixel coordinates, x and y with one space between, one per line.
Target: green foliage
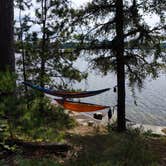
46 123
122 41
43 59
143 48
29 117
7 102
7 107
44 62
7 82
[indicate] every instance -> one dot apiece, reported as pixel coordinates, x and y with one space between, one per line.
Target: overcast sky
151 20
78 3
75 3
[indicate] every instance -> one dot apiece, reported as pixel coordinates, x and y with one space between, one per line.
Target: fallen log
42 146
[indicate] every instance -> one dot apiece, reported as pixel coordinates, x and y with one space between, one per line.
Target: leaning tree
118 33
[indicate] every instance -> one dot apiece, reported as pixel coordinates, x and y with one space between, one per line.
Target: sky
75 3
78 3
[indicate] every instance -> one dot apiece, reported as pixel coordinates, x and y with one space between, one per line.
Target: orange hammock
79 106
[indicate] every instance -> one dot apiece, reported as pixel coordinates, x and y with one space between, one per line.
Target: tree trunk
42 68
7 60
6 36
22 47
120 67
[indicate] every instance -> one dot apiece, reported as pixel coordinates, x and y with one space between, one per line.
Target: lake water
151 101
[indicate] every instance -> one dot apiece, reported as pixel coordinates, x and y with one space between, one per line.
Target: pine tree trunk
42 68
120 66
6 35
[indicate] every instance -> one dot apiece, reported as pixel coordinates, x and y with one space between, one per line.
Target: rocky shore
86 119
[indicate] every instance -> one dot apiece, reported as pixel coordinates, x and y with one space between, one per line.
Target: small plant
7 82
46 124
7 102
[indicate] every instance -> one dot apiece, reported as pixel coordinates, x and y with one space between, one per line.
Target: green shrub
46 124
29 115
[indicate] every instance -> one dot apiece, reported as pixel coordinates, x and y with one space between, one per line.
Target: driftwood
40 146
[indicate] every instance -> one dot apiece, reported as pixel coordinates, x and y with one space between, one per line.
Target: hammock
79 106
66 94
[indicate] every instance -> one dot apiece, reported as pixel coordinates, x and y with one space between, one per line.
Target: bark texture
120 66
6 35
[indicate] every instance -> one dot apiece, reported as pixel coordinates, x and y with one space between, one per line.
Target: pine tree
47 63
116 31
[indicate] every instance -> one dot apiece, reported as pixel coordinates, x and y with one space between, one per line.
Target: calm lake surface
151 100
